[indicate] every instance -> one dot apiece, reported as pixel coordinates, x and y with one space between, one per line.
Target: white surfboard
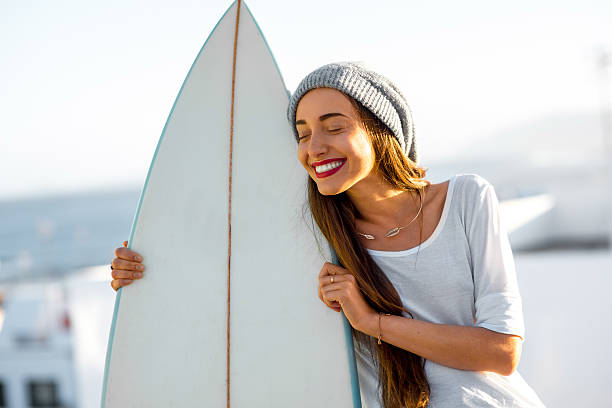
224 319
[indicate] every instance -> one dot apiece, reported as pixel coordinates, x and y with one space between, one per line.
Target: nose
316 145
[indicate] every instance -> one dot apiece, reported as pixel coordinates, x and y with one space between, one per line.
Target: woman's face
333 147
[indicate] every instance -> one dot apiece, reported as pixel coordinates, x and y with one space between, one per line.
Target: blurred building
36 350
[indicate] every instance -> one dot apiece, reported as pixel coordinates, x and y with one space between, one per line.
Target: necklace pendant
392 232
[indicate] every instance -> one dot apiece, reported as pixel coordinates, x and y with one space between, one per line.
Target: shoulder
474 194
471 184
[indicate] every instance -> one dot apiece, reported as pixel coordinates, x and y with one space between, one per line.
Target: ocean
58 234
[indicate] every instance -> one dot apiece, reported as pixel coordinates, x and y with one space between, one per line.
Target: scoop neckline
433 236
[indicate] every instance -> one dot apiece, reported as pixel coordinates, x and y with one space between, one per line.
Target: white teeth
327 167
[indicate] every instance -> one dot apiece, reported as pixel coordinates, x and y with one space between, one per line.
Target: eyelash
331 130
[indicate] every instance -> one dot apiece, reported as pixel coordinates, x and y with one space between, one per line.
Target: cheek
302 157
364 154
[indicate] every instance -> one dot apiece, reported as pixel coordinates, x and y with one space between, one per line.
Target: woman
427 278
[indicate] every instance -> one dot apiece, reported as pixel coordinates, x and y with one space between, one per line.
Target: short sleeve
497 301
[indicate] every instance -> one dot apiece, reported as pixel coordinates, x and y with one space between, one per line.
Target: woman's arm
461 347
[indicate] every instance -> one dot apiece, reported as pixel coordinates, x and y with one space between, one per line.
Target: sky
86 86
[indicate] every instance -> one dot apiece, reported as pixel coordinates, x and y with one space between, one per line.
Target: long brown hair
402 377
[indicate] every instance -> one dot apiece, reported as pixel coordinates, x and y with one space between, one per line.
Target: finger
327 269
327 280
324 301
336 286
332 300
121 273
127 265
121 282
331 304
128 254
335 306
333 293
332 269
118 283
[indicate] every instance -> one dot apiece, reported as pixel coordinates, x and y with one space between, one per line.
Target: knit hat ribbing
374 91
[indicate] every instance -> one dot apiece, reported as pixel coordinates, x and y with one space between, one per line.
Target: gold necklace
396 230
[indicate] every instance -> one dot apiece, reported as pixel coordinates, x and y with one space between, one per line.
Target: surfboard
227 312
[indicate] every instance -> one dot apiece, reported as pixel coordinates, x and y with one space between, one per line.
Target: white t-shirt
464 275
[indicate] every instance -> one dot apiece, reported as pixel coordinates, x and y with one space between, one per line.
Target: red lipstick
328 172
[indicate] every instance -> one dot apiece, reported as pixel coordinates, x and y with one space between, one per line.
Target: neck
378 203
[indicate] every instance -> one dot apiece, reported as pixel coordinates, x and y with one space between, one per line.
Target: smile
328 167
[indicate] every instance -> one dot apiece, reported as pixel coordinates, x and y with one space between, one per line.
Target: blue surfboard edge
348 335
269 50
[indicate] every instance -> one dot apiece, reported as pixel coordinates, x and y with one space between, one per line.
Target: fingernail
137 258
137 274
140 267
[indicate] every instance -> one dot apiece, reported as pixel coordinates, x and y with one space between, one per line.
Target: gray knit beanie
373 90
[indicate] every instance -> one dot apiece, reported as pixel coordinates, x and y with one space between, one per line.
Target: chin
329 190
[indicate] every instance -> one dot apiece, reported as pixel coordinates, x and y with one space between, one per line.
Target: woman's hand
344 294
126 267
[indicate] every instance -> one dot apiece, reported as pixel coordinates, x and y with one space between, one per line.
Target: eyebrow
321 118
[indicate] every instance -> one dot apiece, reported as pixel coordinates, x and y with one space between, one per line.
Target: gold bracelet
379 329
